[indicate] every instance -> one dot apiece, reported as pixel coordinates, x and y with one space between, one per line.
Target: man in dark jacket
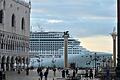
46 74
67 72
63 74
41 75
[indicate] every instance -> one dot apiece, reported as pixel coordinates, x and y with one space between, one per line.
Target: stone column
114 34
66 35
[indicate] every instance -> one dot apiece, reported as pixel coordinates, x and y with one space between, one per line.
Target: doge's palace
14 34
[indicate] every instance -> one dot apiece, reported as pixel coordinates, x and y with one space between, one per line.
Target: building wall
14 38
11 7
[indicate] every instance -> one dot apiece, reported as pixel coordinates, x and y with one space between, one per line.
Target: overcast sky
83 18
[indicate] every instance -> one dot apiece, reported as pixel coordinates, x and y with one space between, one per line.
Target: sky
90 21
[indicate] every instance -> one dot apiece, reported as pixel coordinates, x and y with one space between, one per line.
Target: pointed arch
1 16
23 24
13 20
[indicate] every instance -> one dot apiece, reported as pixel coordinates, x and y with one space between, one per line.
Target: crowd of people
89 73
65 73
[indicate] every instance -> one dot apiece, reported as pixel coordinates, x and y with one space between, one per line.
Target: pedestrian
107 73
76 70
67 72
47 70
63 73
41 75
27 71
46 74
91 74
74 73
38 70
86 73
54 70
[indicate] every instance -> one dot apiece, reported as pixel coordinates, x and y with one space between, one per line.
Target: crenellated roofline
24 3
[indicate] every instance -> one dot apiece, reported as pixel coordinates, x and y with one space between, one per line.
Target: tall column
66 35
114 35
118 40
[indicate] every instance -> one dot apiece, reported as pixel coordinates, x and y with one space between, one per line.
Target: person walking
73 77
27 71
54 70
47 70
46 74
86 74
76 70
63 73
107 73
91 74
67 72
74 73
38 70
41 75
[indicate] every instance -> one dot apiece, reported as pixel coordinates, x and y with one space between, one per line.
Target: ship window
1 16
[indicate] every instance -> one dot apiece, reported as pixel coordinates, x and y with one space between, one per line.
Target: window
1 16
13 21
23 24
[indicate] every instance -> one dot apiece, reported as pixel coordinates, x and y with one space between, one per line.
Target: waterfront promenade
34 76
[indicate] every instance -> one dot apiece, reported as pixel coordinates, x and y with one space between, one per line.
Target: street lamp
95 63
95 59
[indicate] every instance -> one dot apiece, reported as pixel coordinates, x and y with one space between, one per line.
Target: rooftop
24 3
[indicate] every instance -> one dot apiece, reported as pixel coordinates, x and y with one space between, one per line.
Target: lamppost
95 63
95 59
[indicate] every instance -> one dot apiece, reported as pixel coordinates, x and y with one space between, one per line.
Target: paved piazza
34 76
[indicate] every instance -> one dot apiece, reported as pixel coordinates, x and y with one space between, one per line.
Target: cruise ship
47 48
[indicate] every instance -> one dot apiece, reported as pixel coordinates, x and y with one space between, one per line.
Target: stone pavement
12 75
